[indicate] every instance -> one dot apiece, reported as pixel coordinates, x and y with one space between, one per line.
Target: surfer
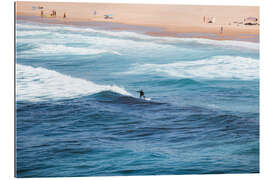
141 94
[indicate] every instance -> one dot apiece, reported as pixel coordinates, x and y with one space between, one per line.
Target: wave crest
39 84
218 67
139 36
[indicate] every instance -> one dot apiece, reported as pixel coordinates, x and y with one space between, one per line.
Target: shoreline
153 20
147 30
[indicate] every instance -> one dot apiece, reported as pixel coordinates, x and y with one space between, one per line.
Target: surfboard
147 99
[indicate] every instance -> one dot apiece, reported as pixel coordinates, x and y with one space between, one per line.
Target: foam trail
52 49
39 84
143 37
218 67
61 49
31 33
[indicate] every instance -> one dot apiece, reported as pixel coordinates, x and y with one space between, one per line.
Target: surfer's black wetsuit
141 94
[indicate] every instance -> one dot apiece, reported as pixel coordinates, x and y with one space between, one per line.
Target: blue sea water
78 112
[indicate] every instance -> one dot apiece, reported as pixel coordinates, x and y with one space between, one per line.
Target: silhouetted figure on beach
221 29
65 15
141 93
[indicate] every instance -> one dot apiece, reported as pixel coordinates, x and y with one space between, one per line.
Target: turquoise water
78 112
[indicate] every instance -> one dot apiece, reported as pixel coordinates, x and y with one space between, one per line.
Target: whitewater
78 112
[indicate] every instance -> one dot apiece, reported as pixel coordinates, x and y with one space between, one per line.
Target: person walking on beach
221 30
65 15
41 13
95 12
204 19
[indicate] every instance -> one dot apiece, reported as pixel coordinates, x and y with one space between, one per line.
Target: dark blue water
78 112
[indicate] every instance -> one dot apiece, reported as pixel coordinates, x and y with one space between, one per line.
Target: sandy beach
224 22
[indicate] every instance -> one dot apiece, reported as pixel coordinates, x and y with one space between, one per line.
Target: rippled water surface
78 112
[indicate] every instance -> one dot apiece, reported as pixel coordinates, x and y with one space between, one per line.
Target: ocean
78 112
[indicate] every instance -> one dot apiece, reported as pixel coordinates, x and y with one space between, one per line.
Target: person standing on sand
221 29
95 13
41 13
65 15
204 19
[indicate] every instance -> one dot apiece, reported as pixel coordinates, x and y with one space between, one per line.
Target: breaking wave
138 36
217 67
39 84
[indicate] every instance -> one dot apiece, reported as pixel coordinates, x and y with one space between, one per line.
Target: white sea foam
172 40
58 49
31 33
218 67
61 49
227 43
39 84
142 37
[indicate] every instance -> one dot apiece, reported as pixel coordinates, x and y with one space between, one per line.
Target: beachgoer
65 15
221 29
141 94
209 20
41 13
204 19
95 13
